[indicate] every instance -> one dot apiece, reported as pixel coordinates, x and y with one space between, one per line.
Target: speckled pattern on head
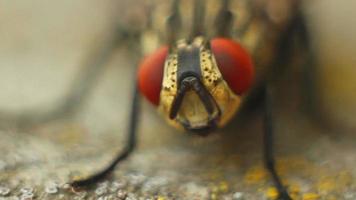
192 109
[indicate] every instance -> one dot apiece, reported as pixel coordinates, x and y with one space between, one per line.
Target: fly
207 69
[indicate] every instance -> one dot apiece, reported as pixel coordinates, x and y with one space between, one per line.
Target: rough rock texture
41 48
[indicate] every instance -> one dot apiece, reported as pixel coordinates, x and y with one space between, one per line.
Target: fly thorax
194 95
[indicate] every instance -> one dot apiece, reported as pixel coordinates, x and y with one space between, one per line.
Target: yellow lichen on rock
310 196
326 184
161 198
223 187
255 175
272 193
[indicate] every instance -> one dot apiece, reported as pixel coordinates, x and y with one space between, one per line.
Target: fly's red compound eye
150 74
235 64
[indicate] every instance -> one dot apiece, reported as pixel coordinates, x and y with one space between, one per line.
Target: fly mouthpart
192 83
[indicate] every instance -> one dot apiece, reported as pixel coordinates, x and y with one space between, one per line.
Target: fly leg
123 154
309 69
268 144
80 89
131 136
284 53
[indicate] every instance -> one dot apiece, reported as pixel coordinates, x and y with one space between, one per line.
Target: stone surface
41 50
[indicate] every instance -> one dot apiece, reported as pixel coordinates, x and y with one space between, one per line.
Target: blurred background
43 45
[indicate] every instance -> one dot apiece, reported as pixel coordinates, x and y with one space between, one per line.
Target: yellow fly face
194 95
